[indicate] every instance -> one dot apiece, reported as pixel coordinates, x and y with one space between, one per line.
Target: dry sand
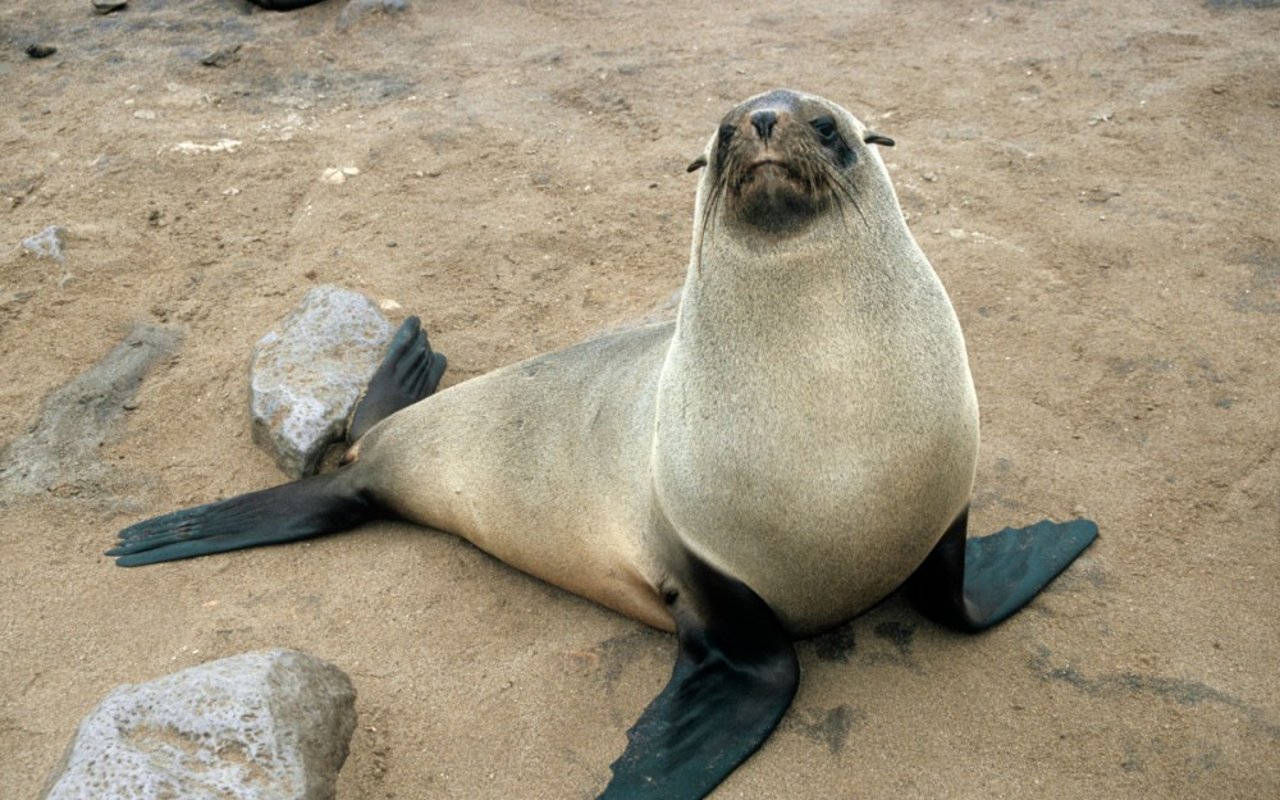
1095 182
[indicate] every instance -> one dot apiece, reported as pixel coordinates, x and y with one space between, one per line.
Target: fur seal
800 442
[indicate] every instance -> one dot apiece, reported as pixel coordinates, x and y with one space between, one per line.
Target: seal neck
846 275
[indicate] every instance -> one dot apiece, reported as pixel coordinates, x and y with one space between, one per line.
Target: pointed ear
874 138
697 164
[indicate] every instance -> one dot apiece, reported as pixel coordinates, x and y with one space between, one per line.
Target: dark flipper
409 372
309 507
283 5
972 584
734 678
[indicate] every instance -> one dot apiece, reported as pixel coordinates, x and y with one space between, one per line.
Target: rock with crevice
267 725
307 373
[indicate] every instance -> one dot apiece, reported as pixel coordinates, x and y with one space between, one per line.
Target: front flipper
734 678
972 584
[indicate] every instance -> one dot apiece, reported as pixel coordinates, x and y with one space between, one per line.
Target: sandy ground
1095 182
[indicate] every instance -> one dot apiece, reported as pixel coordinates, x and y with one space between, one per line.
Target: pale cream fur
808 425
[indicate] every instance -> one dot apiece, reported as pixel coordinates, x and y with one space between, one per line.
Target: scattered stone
222 57
356 10
256 726
77 418
308 372
1098 195
48 243
109 6
336 175
41 50
220 146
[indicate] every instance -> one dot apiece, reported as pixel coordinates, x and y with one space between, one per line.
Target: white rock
307 373
258 726
194 148
47 243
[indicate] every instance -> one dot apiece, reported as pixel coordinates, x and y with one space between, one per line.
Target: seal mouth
774 194
770 171
770 166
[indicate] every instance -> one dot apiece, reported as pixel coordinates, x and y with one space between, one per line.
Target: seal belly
542 464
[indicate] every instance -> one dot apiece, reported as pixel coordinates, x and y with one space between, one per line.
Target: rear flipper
310 507
734 678
409 372
972 584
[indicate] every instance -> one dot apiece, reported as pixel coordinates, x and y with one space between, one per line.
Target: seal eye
726 133
826 128
829 136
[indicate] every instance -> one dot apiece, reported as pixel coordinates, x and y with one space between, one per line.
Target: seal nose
763 121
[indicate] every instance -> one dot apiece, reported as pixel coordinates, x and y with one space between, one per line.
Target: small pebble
220 146
48 243
221 57
336 175
41 50
108 6
356 9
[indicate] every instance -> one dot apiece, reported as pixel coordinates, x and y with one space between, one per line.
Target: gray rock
267 725
308 372
48 243
64 444
356 10
108 6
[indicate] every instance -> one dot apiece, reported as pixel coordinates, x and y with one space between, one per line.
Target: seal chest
817 426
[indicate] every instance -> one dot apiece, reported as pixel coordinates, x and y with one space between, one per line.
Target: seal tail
310 507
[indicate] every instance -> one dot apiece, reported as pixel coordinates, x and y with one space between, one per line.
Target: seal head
781 159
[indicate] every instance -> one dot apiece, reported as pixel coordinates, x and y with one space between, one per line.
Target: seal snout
763 121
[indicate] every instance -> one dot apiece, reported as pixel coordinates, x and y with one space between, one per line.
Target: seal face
781 160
